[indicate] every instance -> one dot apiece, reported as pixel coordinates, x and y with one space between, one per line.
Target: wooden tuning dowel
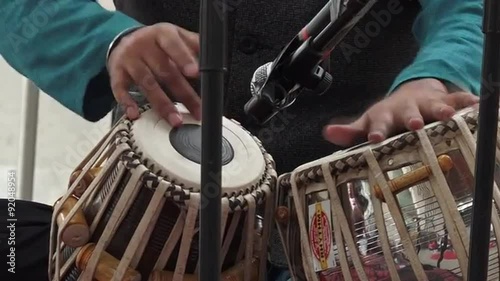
76 233
414 177
85 181
106 266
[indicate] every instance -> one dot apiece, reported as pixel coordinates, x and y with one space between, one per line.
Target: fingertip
174 119
381 128
132 112
342 135
462 99
446 112
415 124
475 99
191 70
328 131
376 137
197 114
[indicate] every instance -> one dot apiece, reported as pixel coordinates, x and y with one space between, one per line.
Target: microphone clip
276 85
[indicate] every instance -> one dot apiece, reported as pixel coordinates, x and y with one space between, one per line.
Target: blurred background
63 138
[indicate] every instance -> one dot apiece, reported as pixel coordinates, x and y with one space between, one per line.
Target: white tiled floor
63 138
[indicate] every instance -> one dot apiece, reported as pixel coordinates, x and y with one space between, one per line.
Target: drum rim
179 193
247 163
352 158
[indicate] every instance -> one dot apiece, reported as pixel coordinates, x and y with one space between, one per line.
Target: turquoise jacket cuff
451 44
61 46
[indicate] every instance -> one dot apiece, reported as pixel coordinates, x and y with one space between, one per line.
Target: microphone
276 85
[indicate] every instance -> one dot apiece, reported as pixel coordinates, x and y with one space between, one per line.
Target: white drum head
176 152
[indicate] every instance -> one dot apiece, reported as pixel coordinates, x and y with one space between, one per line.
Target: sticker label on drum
320 235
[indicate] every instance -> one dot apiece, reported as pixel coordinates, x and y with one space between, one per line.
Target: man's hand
410 107
161 54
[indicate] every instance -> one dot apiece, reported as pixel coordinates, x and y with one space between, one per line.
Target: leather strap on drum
142 233
266 231
397 216
110 186
382 230
171 242
340 223
224 217
187 236
250 236
55 242
306 251
453 221
124 203
467 144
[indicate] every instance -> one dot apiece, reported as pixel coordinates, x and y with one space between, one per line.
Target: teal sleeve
61 46
451 44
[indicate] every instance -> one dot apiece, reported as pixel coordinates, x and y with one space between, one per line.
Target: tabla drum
399 210
132 209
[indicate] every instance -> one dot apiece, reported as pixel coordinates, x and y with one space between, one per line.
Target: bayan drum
399 210
132 209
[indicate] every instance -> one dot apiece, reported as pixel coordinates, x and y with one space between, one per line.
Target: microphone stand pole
212 70
486 145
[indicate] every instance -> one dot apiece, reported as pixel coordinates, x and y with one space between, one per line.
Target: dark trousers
24 240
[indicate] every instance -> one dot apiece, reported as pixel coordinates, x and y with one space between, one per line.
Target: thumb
346 135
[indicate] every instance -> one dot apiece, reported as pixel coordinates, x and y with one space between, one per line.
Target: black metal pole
212 58
486 145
